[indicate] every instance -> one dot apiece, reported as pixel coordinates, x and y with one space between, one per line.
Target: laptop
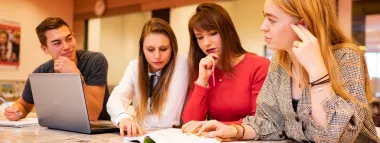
60 104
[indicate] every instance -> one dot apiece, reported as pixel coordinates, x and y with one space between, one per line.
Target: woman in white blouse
155 83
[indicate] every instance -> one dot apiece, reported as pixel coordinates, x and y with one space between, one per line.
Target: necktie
151 85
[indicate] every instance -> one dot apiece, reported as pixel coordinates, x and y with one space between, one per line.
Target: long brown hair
211 16
320 18
160 91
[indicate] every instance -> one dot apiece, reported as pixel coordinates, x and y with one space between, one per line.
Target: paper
171 136
21 123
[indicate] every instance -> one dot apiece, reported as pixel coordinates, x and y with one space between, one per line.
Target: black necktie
151 85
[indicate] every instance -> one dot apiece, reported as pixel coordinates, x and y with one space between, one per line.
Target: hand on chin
65 65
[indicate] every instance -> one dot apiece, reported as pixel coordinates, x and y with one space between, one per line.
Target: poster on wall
9 43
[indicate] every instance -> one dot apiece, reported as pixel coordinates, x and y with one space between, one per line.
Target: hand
308 51
132 128
205 68
65 65
218 129
192 126
10 113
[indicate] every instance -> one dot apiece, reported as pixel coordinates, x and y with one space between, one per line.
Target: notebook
170 136
21 123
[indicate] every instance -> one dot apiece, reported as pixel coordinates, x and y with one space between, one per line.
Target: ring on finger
296 43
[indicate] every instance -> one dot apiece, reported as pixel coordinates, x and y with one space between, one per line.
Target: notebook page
175 136
21 123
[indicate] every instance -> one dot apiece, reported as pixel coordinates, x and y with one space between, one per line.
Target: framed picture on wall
9 43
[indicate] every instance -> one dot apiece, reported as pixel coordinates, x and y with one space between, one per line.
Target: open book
21 123
170 136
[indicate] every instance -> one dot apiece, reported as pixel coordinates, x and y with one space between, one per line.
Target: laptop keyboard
93 126
101 125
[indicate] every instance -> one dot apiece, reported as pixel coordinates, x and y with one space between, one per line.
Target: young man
58 41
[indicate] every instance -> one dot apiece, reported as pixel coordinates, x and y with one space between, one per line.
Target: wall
179 19
118 40
79 31
84 10
94 33
29 13
247 18
345 16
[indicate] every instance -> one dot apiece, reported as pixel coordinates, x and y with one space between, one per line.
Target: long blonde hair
160 91
320 18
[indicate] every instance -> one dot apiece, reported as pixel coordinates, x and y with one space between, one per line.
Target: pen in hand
6 103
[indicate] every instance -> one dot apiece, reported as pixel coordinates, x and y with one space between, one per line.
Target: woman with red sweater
224 78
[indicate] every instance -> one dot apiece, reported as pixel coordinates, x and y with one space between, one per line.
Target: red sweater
232 98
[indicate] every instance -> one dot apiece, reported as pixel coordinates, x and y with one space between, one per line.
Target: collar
158 73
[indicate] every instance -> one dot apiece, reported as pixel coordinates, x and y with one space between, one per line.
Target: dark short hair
49 24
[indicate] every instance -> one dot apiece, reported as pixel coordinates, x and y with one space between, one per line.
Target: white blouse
127 92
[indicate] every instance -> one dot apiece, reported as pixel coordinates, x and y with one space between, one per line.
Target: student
155 83
224 78
308 96
59 42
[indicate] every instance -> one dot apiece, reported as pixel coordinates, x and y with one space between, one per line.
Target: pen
212 70
6 103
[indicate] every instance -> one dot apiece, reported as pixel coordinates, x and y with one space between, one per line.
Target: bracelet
242 135
321 82
237 134
319 79
319 87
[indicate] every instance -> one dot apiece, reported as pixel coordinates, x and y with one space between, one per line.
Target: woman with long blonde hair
317 89
155 83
